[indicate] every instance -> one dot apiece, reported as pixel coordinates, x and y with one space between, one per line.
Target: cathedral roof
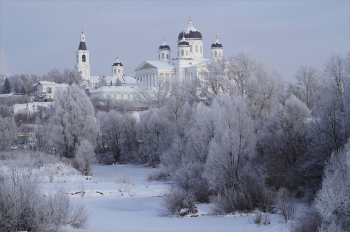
82 46
164 47
190 32
216 44
117 64
184 43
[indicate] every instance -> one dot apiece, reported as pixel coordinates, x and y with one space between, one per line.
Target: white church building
83 66
187 64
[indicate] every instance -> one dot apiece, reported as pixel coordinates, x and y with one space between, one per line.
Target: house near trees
46 89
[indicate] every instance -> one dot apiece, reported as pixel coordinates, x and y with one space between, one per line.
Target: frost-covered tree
155 133
115 129
284 141
309 78
7 133
230 153
84 157
117 82
333 199
101 81
54 75
71 121
330 128
6 88
233 143
72 76
154 96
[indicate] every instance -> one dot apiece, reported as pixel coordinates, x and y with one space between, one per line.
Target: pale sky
36 36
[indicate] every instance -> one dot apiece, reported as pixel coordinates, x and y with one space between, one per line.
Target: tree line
237 137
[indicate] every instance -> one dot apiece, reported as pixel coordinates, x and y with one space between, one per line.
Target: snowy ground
33 106
119 198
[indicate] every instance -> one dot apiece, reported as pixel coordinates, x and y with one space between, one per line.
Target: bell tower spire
82 62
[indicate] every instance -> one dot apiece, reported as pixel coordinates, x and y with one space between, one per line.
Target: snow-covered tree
101 81
155 133
6 88
333 199
233 143
309 78
7 133
330 129
117 82
154 96
72 76
71 121
284 141
115 129
54 75
84 157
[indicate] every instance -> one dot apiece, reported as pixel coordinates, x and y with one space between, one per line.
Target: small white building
115 92
47 89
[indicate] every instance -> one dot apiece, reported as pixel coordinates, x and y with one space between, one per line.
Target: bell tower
82 62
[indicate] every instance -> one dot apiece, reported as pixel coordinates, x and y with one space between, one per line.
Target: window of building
215 53
114 70
118 70
201 49
196 50
219 54
186 53
162 55
182 52
49 90
167 56
190 48
83 59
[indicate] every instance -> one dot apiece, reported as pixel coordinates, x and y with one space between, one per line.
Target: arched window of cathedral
219 54
215 53
118 70
83 59
186 53
167 56
182 52
196 50
114 70
201 49
190 48
162 55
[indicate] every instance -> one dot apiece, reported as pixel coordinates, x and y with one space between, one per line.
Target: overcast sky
37 36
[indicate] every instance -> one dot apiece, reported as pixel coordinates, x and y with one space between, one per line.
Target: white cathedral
83 66
188 63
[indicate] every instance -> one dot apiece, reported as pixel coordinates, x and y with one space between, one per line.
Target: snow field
119 198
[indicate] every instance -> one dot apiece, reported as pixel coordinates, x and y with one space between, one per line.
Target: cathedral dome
166 47
217 44
184 42
117 64
190 32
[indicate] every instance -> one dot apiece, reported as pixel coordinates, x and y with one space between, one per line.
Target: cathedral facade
188 63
